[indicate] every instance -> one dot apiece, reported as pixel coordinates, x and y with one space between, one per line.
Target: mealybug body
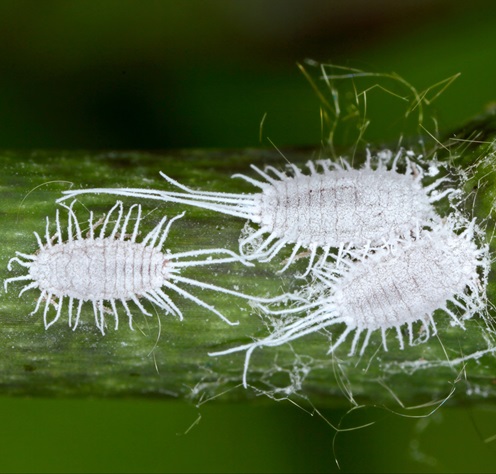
334 207
391 287
105 268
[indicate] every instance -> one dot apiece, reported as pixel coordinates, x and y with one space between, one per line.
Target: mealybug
333 207
392 287
109 268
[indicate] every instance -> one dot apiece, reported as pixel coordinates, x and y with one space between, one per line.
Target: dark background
172 74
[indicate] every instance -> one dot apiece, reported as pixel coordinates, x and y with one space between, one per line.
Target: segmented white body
334 207
342 206
100 270
390 288
109 268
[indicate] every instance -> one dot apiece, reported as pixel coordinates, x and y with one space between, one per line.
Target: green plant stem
165 357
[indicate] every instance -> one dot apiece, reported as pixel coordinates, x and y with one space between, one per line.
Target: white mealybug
336 207
109 268
390 288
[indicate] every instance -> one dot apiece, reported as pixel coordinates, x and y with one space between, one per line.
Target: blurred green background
172 74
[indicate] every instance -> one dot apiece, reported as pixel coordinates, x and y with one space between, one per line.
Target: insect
390 288
334 206
102 268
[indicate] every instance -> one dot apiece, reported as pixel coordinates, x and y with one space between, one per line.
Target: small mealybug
334 206
389 288
110 266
